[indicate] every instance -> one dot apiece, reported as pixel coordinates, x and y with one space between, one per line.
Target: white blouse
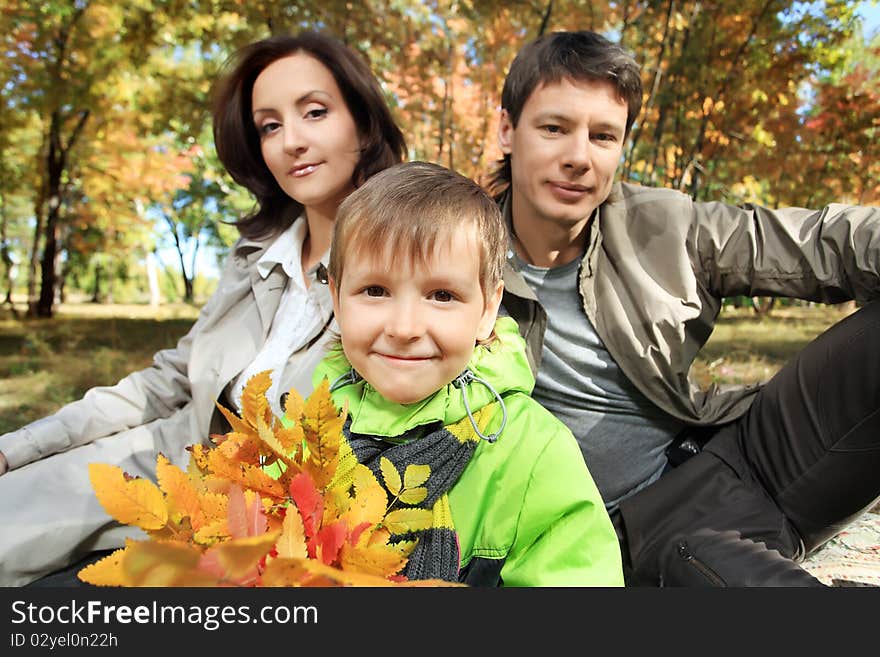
303 313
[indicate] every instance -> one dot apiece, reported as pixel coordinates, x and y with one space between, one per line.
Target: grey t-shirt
622 435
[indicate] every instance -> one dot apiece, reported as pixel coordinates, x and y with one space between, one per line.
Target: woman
300 122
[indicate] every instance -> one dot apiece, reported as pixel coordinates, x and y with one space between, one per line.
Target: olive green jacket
658 264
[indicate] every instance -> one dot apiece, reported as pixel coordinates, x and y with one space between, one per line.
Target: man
616 287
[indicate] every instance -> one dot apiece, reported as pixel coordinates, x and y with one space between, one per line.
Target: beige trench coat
48 512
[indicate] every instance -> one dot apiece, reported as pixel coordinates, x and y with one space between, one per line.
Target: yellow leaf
153 563
307 572
106 572
199 455
377 560
290 438
214 506
707 105
416 475
414 495
292 542
285 572
132 502
404 547
253 397
212 532
240 555
180 497
403 521
369 501
293 406
270 438
345 466
345 577
235 422
322 430
390 475
464 428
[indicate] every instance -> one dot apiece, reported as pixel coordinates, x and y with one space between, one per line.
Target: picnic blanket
852 558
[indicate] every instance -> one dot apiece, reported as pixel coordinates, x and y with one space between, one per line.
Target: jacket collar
502 364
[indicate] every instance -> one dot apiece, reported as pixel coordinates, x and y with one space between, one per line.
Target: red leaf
329 540
357 531
309 502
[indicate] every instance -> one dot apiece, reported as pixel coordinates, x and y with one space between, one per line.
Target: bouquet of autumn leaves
277 502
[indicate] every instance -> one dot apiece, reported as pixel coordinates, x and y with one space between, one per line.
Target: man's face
564 151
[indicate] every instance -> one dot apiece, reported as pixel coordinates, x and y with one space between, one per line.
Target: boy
431 378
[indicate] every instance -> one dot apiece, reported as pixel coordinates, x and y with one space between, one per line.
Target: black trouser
775 484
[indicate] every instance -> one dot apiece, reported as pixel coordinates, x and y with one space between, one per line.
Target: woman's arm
141 397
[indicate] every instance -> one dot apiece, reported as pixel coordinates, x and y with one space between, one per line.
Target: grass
746 348
45 364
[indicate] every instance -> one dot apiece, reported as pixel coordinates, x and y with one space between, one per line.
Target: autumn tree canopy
105 137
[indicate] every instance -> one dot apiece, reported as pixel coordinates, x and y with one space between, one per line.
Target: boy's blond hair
407 208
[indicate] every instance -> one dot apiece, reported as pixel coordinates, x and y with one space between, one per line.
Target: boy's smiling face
409 327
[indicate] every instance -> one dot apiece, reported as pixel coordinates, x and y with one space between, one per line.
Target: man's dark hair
566 56
238 143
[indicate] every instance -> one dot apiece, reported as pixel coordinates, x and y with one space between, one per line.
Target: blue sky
870 11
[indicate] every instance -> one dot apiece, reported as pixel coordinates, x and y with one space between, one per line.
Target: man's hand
4 466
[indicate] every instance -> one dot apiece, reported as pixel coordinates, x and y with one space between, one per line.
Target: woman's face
308 137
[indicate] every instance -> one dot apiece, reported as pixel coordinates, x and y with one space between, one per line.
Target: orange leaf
213 506
132 502
249 476
212 532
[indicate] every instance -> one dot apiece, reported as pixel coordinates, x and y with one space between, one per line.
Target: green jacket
658 265
525 508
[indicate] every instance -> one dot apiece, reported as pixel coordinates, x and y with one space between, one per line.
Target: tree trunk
96 290
54 167
56 162
34 258
6 258
655 88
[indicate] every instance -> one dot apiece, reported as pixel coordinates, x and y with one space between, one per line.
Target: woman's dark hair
238 143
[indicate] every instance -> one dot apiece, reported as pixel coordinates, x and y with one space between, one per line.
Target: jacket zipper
685 553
